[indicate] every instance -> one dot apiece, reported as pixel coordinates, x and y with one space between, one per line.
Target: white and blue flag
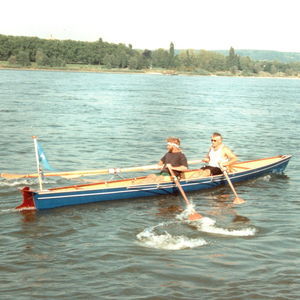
43 159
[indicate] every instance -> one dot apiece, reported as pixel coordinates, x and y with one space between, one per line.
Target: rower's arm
206 157
232 158
180 168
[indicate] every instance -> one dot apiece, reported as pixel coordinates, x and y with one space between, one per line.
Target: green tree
23 58
160 58
246 64
211 61
147 58
270 67
107 61
5 47
133 63
41 58
188 60
233 61
257 67
171 55
12 60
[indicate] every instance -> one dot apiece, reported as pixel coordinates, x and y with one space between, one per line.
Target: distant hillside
268 55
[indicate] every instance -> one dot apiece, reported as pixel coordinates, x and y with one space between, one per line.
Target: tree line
25 51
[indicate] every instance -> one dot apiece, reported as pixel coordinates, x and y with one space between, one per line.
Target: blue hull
52 199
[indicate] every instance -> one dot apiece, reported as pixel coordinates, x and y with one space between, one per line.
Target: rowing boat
130 188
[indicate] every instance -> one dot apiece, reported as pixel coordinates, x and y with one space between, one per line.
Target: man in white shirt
218 154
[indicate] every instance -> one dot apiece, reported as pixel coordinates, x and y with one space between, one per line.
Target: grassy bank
101 69
68 67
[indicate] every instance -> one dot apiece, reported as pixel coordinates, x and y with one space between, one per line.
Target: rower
174 159
218 154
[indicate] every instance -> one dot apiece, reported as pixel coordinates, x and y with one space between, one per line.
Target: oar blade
238 200
195 216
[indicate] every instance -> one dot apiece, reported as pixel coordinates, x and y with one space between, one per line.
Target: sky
153 24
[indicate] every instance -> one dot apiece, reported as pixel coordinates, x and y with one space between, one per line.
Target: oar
74 174
193 216
237 199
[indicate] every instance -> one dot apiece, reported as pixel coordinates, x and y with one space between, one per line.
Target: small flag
43 159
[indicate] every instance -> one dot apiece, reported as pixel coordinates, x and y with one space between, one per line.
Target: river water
141 248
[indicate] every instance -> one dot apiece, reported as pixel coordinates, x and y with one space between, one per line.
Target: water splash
190 209
266 178
25 182
149 238
209 225
13 183
8 211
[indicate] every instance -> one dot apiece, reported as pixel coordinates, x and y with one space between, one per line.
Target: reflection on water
28 216
241 219
170 210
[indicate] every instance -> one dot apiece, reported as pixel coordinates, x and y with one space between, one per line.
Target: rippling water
143 248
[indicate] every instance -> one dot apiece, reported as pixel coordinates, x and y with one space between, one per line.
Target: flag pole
39 170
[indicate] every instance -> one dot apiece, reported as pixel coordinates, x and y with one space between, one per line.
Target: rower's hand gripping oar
193 216
237 199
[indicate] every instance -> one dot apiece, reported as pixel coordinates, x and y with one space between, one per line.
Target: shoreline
165 72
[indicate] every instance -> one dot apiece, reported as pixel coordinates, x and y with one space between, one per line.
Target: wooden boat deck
189 175
253 164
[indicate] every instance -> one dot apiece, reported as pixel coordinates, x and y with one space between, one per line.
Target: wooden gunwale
139 181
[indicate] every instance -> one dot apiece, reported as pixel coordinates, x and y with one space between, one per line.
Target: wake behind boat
131 188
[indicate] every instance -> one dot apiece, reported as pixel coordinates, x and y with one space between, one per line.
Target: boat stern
28 202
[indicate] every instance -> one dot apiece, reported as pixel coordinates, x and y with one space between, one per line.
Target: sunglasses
213 140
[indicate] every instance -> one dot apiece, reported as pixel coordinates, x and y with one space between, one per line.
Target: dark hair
217 134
